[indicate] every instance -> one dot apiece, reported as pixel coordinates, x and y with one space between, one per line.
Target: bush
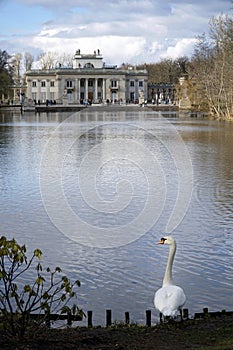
48 293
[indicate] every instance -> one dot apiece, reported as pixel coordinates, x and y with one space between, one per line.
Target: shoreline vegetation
215 333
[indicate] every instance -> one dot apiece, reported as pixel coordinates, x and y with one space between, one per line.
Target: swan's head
166 240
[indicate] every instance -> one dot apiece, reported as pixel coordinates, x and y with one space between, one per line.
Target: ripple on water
126 278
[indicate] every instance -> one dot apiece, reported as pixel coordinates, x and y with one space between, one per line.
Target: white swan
170 298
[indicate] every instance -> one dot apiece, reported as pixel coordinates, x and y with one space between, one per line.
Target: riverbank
212 333
93 107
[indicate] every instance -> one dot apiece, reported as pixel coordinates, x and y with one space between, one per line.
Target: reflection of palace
90 79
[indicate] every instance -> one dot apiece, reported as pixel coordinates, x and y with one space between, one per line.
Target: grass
206 334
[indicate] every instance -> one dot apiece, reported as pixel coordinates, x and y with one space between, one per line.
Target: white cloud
183 47
133 31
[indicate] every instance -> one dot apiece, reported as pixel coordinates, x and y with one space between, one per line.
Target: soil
211 333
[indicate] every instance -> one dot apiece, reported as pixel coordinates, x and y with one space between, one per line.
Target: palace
88 80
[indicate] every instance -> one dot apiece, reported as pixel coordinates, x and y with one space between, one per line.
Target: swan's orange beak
162 241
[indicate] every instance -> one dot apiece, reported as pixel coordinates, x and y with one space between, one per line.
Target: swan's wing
169 299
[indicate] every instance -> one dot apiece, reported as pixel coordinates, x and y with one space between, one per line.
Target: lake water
95 191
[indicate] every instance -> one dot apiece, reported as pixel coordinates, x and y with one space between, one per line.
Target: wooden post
69 319
47 319
108 318
148 318
161 317
185 313
127 317
206 312
89 319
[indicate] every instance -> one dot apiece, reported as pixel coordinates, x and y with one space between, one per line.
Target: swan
169 299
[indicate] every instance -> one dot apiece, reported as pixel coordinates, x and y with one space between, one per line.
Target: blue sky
133 31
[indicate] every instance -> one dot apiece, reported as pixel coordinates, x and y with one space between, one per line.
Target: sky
125 31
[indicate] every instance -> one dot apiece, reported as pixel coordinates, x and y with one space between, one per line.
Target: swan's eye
163 239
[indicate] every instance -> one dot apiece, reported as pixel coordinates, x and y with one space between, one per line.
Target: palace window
89 65
34 84
34 96
43 84
140 83
69 83
131 83
43 96
52 83
114 83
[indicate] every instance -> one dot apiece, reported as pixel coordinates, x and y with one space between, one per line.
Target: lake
96 190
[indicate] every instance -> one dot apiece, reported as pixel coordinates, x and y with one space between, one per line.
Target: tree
167 70
5 84
212 66
52 60
66 60
16 62
47 60
49 292
4 61
28 61
6 73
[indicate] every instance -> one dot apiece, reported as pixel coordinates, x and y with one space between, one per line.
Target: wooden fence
48 318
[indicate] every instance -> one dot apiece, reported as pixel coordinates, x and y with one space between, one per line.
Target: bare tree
66 60
212 67
48 60
17 65
28 60
165 71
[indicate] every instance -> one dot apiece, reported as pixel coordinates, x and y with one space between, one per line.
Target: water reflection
125 278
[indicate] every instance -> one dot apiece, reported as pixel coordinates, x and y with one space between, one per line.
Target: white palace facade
89 79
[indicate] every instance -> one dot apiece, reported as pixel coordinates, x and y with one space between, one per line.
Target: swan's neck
168 273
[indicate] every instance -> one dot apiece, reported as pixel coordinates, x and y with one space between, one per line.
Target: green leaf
39 267
78 283
63 297
38 253
46 295
65 310
27 288
40 280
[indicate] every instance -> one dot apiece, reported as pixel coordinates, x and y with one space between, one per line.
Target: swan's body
170 298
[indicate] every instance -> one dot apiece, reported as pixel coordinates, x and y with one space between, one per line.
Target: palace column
39 90
104 90
48 89
29 90
96 90
77 86
59 90
136 90
86 90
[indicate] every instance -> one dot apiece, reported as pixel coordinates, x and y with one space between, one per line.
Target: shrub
49 292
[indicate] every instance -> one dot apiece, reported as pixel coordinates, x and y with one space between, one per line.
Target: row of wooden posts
185 315
73 318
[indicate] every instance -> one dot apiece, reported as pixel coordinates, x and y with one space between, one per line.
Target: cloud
132 31
183 47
